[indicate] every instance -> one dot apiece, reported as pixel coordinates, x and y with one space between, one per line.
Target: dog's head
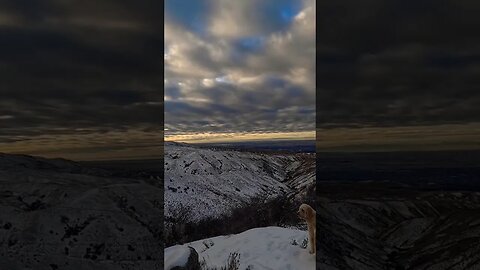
306 212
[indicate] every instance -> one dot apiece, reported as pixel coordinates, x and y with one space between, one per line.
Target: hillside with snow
59 214
212 182
381 225
260 248
398 210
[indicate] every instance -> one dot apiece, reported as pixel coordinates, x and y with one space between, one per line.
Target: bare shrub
260 211
233 263
175 225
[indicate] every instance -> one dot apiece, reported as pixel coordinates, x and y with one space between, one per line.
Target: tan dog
307 213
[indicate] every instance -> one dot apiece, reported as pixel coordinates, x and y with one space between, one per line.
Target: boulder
191 263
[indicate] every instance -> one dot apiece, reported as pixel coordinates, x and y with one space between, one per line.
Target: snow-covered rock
181 258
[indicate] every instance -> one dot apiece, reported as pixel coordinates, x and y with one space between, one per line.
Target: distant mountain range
295 146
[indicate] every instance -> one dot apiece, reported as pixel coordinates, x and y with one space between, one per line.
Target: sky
398 75
239 70
81 79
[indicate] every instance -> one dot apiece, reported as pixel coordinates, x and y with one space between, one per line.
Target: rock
192 262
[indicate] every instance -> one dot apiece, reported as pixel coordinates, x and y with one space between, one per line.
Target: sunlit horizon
241 137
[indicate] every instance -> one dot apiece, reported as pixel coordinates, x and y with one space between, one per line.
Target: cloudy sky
239 70
398 74
81 79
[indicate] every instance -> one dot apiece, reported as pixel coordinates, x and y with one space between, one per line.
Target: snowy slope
56 214
367 226
218 180
260 248
301 176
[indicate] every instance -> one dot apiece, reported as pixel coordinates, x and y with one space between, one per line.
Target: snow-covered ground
212 182
269 248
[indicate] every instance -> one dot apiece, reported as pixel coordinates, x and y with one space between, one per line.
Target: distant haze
404 138
239 137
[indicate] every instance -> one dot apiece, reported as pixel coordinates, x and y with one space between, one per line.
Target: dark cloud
249 45
284 107
31 11
173 91
394 63
71 65
85 63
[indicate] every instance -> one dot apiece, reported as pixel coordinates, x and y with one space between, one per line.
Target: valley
398 211
60 214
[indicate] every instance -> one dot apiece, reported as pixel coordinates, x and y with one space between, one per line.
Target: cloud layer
398 63
79 68
239 67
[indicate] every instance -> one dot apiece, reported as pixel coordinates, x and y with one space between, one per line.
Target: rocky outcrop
192 262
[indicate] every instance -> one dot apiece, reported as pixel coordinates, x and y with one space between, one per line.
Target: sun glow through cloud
236 67
237 137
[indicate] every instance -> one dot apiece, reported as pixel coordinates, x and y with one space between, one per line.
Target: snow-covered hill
211 182
260 248
301 174
374 225
56 214
25 162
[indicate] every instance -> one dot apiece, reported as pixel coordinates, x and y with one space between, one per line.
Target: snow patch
260 248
